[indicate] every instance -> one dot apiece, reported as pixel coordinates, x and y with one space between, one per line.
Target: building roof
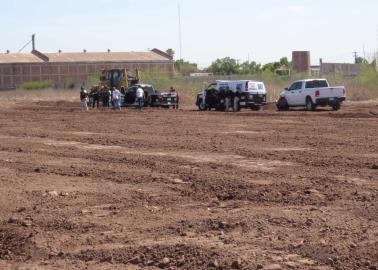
83 57
9 58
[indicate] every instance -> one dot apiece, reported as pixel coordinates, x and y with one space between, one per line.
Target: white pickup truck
311 93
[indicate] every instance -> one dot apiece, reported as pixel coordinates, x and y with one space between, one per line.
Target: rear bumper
167 102
256 100
329 101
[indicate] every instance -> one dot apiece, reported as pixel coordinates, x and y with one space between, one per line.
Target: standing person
221 98
105 97
140 97
95 93
117 99
228 98
174 92
237 97
84 99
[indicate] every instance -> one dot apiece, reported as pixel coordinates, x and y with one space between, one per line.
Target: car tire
282 104
201 106
310 106
336 107
255 108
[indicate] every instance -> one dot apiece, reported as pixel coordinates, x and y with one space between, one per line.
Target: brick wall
14 75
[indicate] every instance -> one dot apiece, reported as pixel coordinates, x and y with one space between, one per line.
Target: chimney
33 42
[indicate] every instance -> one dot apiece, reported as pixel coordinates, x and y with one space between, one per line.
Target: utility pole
376 53
33 42
355 57
179 30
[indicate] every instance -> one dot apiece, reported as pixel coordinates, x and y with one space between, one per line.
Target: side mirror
287 89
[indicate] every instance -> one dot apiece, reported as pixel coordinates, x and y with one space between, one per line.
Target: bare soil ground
186 189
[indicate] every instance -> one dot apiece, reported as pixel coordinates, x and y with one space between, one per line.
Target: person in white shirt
140 97
84 99
117 99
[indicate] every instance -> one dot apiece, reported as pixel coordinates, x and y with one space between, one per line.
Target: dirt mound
178 256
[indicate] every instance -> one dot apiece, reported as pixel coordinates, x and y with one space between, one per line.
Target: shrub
35 85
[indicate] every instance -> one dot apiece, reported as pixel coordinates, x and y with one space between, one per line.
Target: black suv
151 95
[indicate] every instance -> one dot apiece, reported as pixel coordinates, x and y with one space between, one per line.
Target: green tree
185 67
284 62
171 52
361 60
250 68
224 66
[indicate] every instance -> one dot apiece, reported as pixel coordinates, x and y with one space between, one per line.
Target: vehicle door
292 92
208 90
130 95
300 94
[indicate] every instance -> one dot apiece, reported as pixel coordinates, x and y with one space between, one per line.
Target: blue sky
263 30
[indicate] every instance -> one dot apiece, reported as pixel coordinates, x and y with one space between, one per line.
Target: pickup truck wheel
336 107
255 108
282 104
309 104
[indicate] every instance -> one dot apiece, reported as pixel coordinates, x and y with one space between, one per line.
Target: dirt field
186 189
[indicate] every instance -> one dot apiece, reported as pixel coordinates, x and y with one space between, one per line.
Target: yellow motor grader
119 78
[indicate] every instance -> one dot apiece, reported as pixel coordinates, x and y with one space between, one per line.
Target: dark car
151 95
168 99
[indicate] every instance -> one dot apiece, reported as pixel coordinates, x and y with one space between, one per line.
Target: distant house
283 70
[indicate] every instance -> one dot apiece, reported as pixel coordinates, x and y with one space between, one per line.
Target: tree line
230 66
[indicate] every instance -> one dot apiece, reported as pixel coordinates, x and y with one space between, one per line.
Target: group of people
104 95
225 98
107 96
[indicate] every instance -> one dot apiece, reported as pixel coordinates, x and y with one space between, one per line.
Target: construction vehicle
118 78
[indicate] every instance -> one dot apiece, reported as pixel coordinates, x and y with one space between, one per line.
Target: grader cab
119 78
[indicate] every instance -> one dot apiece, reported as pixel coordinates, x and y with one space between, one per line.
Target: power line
30 41
20 50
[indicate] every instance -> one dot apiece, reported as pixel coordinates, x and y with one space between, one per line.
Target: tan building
17 68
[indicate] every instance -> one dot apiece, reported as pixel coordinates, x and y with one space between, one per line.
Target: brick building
17 68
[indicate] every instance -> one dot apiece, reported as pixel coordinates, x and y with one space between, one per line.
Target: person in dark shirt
229 98
95 94
237 97
105 96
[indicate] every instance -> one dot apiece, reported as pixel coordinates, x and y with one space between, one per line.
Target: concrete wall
14 75
344 69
